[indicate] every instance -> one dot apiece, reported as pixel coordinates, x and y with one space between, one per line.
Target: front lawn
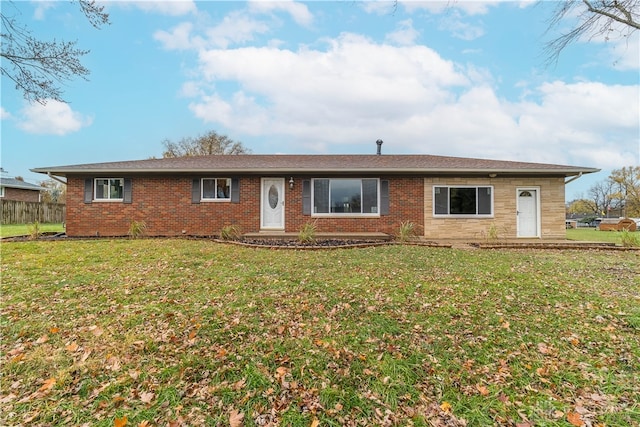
162 331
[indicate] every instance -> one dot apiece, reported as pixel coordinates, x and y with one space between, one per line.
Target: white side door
528 212
272 204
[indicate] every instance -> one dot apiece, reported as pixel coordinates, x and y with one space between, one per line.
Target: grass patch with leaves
10 230
200 333
594 235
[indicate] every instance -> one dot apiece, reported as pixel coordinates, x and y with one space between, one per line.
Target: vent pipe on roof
379 144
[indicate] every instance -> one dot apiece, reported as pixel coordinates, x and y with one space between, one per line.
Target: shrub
230 232
137 229
34 230
407 231
307 233
630 239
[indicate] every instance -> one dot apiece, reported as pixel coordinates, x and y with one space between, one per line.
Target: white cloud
459 28
179 38
41 8
299 12
625 54
316 88
405 34
54 118
357 91
469 7
170 8
235 28
4 114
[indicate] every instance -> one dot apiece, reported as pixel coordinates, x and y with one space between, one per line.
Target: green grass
186 331
10 230
593 235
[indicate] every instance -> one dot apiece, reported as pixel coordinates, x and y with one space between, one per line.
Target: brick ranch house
447 197
20 191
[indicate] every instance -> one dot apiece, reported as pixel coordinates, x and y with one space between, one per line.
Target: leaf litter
196 333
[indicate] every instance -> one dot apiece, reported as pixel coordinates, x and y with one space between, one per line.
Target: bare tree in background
37 67
205 145
609 19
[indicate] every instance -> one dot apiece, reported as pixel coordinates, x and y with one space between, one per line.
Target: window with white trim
1 191
462 201
216 189
346 196
109 189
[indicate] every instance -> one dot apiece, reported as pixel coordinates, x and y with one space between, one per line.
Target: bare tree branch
607 18
38 68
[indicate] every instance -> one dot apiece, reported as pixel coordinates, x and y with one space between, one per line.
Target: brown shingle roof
285 163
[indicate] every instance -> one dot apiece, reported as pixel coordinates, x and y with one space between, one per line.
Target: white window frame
1 191
108 198
345 214
216 198
449 214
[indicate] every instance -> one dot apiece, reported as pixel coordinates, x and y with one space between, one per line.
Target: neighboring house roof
16 183
351 164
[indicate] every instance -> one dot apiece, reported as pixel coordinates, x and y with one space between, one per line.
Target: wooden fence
16 212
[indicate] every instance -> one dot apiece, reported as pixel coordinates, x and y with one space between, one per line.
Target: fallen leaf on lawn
543 348
95 330
17 358
144 423
48 384
85 355
445 406
120 422
281 371
235 418
147 397
54 330
193 334
575 419
482 389
315 422
72 347
43 339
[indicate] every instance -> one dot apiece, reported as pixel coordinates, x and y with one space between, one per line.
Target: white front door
272 204
528 212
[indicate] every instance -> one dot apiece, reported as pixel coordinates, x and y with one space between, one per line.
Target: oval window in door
273 196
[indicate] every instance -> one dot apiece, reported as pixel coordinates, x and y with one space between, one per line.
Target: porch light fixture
291 183
493 175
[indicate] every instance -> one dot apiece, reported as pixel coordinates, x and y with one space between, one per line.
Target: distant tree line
617 195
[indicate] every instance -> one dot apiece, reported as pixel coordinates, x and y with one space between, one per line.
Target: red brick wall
21 195
164 204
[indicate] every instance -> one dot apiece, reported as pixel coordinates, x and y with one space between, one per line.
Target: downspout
573 178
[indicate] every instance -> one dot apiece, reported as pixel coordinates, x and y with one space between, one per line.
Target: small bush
230 232
407 231
137 229
34 230
630 239
307 233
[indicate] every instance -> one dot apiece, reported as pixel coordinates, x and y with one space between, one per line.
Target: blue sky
463 78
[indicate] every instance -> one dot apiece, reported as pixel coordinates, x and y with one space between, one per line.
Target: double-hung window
463 201
346 196
109 189
216 189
